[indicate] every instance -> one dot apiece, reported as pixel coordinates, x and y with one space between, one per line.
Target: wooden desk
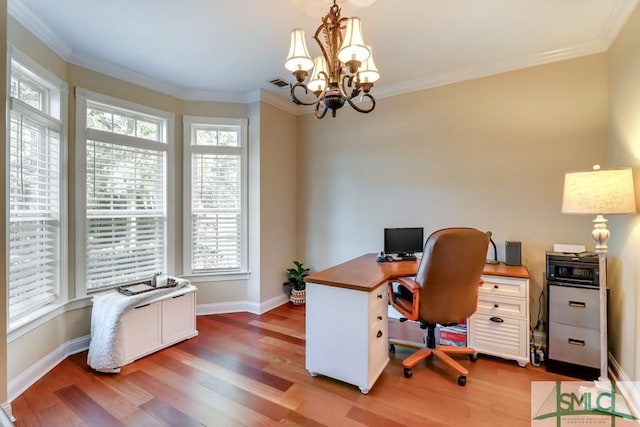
346 317
363 273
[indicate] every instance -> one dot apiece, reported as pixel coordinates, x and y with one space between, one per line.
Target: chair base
442 352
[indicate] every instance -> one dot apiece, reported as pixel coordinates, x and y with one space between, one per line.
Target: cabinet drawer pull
496 287
142 306
496 306
379 334
577 304
496 319
379 317
379 296
573 341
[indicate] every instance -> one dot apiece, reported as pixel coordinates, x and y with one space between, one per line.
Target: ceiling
228 50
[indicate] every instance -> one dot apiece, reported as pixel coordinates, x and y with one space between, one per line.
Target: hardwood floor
245 369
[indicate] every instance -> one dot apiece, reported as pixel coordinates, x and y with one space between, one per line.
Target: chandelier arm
363 110
299 101
349 82
324 111
322 48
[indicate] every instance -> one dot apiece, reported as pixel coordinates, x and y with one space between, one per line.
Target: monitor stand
406 256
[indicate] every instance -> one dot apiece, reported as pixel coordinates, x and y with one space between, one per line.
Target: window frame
83 98
54 110
190 124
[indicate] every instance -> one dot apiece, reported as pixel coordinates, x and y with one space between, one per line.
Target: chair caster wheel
473 357
392 348
462 380
407 373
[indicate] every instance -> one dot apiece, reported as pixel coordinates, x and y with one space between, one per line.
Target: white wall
278 184
489 153
624 244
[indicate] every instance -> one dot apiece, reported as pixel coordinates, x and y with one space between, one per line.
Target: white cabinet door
141 331
178 318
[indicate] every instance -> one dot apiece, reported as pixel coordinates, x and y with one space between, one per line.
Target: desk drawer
378 340
502 306
501 336
379 297
503 286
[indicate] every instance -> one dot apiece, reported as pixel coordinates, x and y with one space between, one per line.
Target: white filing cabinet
347 333
159 323
500 326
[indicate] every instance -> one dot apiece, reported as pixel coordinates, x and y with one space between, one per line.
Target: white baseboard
627 387
26 379
241 306
6 407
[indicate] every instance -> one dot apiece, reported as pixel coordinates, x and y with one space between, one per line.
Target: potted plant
296 282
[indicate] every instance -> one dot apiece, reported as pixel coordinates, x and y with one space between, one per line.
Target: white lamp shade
318 81
298 58
353 47
368 70
600 192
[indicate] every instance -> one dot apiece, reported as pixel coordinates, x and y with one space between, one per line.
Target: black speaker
512 253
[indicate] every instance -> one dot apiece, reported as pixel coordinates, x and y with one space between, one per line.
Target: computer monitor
404 242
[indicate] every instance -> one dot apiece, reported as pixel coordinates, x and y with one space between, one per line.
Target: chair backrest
449 274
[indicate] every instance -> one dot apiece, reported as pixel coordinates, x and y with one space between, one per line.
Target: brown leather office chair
445 291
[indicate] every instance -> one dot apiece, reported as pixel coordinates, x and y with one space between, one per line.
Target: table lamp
600 192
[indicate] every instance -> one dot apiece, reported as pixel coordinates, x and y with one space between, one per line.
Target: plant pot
298 297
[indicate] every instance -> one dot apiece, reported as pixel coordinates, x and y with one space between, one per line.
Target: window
215 195
37 153
125 154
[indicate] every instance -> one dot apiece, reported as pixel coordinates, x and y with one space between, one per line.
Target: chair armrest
407 308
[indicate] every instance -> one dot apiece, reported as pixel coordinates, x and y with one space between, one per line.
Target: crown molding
618 17
457 76
183 93
280 102
17 10
615 22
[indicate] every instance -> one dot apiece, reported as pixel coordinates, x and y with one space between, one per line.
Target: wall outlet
539 339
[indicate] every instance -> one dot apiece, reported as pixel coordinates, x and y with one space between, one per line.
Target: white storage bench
125 328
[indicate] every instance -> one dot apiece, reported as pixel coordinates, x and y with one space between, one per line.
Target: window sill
217 277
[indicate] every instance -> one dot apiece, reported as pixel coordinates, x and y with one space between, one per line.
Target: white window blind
217 163
125 196
34 165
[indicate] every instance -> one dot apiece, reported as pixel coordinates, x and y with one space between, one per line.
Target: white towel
106 352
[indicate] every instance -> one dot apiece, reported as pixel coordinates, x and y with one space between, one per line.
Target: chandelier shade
368 70
344 73
298 58
353 51
317 81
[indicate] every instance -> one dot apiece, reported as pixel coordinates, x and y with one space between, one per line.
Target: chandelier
343 71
